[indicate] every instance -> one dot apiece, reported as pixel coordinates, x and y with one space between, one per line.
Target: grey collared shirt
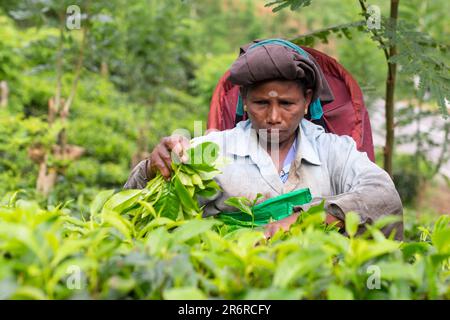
328 164
290 157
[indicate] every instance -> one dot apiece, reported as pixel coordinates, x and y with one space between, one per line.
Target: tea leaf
192 229
99 201
336 292
122 200
352 222
118 222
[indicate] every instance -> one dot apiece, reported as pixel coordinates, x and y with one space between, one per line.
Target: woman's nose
274 115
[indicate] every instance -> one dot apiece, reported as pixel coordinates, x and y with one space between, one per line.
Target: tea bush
134 244
42 252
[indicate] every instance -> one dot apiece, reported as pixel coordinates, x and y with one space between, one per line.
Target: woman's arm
138 177
159 161
360 186
286 223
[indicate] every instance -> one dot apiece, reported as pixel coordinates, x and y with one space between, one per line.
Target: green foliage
103 121
145 46
16 135
244 205
50 254
418 55
153 244
176 199
292 4
343 30
407 178
209 72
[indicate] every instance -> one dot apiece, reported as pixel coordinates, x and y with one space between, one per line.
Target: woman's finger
177 145
160 166
181 147
185 146
178 152
166 162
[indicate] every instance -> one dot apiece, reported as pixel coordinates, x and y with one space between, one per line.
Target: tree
416 52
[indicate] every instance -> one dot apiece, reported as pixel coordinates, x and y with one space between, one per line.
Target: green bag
276 208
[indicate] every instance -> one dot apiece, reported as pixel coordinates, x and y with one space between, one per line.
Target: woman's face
277 106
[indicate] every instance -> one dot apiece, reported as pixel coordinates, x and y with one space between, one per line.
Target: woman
277 151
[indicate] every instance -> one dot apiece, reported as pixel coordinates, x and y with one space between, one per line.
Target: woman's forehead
276 88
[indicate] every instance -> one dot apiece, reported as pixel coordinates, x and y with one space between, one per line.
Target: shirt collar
306 149
291 154
244 142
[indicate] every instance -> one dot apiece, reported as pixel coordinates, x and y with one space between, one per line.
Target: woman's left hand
286 223
283 224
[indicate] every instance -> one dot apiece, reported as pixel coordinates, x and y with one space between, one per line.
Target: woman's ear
244 102
308 96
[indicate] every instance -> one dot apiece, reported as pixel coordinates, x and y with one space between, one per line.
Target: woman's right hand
168 149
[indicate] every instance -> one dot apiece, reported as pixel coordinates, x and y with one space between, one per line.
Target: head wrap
280 59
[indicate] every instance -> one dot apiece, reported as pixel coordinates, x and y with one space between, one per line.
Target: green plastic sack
272 209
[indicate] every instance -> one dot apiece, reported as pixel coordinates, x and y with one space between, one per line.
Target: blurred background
82 104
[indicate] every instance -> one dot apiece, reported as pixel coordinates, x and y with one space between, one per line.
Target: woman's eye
261 102
286 103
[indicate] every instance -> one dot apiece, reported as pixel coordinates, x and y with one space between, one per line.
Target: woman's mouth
274 130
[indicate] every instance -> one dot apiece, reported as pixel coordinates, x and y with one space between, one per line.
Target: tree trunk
390 90
104 70
3 94
46 178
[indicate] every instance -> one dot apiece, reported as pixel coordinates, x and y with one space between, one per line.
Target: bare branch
78 69
376 35
59 62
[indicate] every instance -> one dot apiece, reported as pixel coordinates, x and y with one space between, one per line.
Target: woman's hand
283 224
161 156
329 219
286 223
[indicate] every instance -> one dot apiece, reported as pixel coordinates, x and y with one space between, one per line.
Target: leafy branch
294 4
244 205
377 34
308 39
176 199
